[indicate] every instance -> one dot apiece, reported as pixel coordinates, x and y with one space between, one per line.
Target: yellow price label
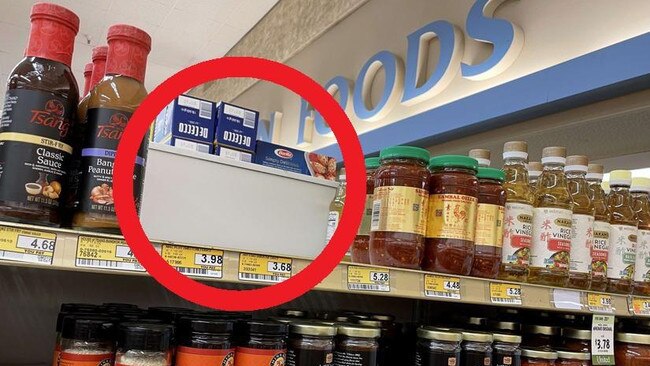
442 287
599 303
505 293
105 253
264 268
31 246
640 306
368 279
202 262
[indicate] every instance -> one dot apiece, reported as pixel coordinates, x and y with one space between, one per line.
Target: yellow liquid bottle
582 239
336 207
534 171
552 223
517 228
622 247
482 156
602 228
640 192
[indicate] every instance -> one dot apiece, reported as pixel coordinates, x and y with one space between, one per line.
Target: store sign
407 83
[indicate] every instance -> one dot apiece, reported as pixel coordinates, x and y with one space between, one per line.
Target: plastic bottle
582 240
534 171
602 228
336 207
622 248
640 191
482 156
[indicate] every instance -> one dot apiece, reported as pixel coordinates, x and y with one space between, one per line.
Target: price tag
31 246
640 306
505 293
442 287
201 262
368 279
264 268
567 299
602 340
104 253
599 303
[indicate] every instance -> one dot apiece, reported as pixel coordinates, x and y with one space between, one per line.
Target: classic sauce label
399 209
105 129
489 225
622 252
582 242
600 249
364 228
259 357
75 359
642 266
552 235
35 148
452 216
517 233
187 356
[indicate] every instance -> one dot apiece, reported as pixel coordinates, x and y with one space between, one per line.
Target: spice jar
489 223
360 246
437 347
87 339
476 349
544 336
632 349
506 349
144 344
568 358
452 206
538 357
265 344
206 341
310 344
399 209
356 346
577 340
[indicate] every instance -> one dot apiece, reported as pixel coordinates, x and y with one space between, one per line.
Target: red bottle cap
99 64
88 70
52 33
128 48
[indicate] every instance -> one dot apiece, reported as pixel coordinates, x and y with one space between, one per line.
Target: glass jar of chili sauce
360 246
399 208
489 223
451 220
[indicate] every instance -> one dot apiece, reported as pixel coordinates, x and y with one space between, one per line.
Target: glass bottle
552 222
265 344
518 222
534 171
621 258
482 156
110 105
310 344
87 338
360 247
600 249
36 128
640 190
144 344
204 340
336 207
99 70
582 238
88 71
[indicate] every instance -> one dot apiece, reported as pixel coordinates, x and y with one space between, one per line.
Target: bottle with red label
602 228
87 341
550 254
582 240
623 235
110 106
38 119
641 194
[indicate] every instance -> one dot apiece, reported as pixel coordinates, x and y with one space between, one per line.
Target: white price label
602 340
379 276
30 246
35 243
123 251
279 267
208 259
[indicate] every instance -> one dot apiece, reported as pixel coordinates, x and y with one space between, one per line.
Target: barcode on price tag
599 303
201 262
264 268
31 246
368 279
104 253
602 340
505 293
640 306
442 287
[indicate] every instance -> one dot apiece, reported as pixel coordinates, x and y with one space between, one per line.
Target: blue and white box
187 123
236 127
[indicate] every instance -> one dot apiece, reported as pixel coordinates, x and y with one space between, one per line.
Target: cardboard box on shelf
236 127
187 123
294 160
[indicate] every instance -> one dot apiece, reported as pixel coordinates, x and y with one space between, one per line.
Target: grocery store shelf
26 245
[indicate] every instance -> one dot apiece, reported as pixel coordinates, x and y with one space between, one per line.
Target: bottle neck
99 69
126 58
87 77
51 39
514 161
576 175
554 167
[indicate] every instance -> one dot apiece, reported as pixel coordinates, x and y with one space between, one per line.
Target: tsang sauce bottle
110 106
88 71
36 129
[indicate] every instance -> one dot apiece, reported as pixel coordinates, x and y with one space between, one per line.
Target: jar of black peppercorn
265 344
310 344
356 346
437 347
476 349
202 340
506 350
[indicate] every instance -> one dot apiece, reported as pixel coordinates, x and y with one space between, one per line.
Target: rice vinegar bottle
534 171
622 247
600 250
640 192
552 223
517 228
582 240
482 156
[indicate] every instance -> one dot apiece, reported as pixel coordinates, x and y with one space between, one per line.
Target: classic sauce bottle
517 228
88 71
640 191
110 106
600 249
552 222
36 129
582 240
622 247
